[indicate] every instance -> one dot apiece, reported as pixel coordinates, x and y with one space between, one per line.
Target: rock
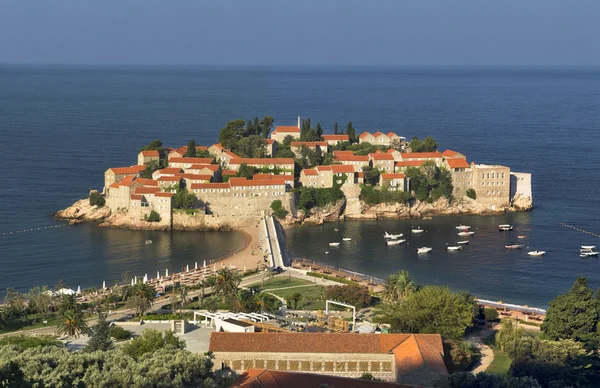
521 203
75 221
82 210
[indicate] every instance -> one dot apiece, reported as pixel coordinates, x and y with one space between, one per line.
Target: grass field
21 324
502 361
308 290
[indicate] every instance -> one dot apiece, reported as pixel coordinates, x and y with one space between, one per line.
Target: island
299 175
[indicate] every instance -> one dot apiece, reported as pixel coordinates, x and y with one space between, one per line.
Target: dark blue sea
62 127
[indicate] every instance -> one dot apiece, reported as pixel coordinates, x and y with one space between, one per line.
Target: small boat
536 253
347 239
463 227
454 247
587 251
326 252
418 230
392 236
588 247
462 242
336 229
334 244
505 227
148 242
521 237
424 250
513 245
466 233
394 242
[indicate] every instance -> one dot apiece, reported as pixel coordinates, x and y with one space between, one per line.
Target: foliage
25 341
353 294
15 304
97 199
278 209
471 193
310 133
308 158
140 297
484 380
190 152
332 278
375 195
574 315
100 339
203 154
118 333
152 217
351 132
427 145
490 314
226 283
151 166
430 181
252 147
398 286
183 199
58 367
310 197
150 341
371 175
368 376
246 171
265 125
233 136
70 317
359 148
459 355
430 310
153 145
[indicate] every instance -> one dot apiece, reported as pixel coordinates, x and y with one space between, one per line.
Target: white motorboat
513 245
454 247
505 227
334 244
463 227
424 250
417 230
536 253
521 237
462 242
394 242
392 236
347 239
466 233
148 242
588 251
588 247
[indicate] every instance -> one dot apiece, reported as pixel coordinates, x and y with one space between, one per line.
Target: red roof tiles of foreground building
232 154
378 133
128 170
421 155
449 153
392 176
167 178
150 153
169 170
287 129
363 135
308 143
267 161
410 163
192 160
146 182
335 137
310 171
262 176
218 146
352 158
381 156
202 177
164 194
146 190
243 182
340 168
211 167
343 153
228 172
457 163
265 378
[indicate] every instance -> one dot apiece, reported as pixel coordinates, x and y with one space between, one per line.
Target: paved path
487 354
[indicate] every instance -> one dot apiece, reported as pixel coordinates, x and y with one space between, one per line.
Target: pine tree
257 127
350 132
100 339
249 128
335 128
319 132
191 149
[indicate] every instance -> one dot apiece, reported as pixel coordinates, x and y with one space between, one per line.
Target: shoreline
247 256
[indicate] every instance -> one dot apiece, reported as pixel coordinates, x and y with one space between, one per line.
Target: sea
61 127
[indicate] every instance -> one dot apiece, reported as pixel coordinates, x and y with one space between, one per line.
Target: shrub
29 341
152 217
490 314
311 197
374 196
118 333
353 294
333 278
459 355
96 199
278 209
471 193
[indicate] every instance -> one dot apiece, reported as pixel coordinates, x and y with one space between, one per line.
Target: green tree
153 145
71 321
250 129
427 145
484 380
183 199
256 126
96 199
490 314
151 341
252 146
100 339
307 198
266 123
335 128
41 299
398 286
471 193
140 297
151 166
190 152
351 132
278 209
231 134
152 217
246 171
573 315
226 283
15 304
319 132
203 154
353 294
371 175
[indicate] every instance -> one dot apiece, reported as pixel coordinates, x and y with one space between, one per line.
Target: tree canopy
427 145
430 182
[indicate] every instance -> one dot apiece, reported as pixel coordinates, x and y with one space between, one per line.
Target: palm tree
226 283
70 317
398 286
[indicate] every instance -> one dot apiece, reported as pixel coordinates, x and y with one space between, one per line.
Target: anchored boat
424 250
588 251
513 245
454 248
505 227
334 244
394 242
392 236
466 233
417 230
536 253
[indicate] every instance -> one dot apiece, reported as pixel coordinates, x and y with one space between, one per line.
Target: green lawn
501 363
21 324
280 282
311 291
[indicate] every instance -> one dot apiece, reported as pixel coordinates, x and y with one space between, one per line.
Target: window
492 175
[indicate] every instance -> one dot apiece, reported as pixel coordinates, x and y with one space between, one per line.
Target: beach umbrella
145 278
187 268
132 282
78 290
196 265
104 284
158 275
167 273
204 263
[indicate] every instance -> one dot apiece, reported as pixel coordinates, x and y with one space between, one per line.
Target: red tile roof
228 172
127 181
167 178
196 177
391 134
449 153
377 134
361 174
265 378
269 141
146 182
352 158
336 137
340 168
164 194
422 155
287 129
201 148
310 171
150 153
136 196
363 135
410 163
128 170
262 161
191 160
263 176
169 170
391 151
231 154
146 190
340 153
243 182
457 163
392 176
114 185
218 146
324 168
211 167
381 156
210 185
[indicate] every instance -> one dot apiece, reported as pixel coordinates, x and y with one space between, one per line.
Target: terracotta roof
335 137
391 151
146 182
287 129
361 174
270 141
169 170
229 153
164 194
127 181
262 161
265 378
211 167
181 150
218 146
324 168
150 153
410 163
377 134
191 160
201 148
364 134
340 168
449 153
210 185
262 176
114 185
352 158
146 190
392 134
420 351
167 178
457 163
381 156
392 176
422 155
136 196
310 171
128 170
228 172
340 153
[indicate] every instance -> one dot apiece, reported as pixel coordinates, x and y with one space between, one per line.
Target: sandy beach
249 256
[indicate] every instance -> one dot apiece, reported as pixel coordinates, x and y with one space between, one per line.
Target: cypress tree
257 127
335 128
350 132
249 128
319 132
191 149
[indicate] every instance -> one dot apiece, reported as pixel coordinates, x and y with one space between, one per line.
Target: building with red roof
393 181
335 139
282 131
115 174
188 162
286 165
320 147
148 156
380 138
357 161
382 161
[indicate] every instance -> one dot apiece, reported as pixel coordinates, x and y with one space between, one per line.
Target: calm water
62 127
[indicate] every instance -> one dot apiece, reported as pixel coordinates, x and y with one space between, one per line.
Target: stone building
462 175
145 200
402 165
326 176
168 171
115 174
165 182
320 147
271 147
281 132
188 162
382 161
356 161
394 182
403 358
215 150
332 140
225 157
148 156
214 170
286 165
437 157
380 138
492 185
